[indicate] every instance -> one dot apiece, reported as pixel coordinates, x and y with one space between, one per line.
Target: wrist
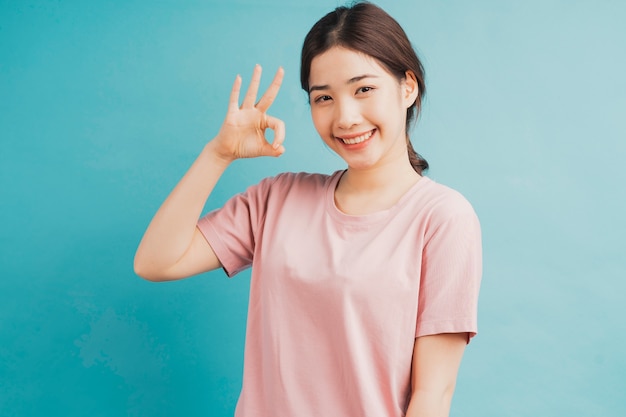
212 152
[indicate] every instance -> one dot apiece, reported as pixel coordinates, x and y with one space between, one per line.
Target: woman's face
359 109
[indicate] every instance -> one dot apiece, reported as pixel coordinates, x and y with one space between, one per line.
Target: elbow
435 402
143 270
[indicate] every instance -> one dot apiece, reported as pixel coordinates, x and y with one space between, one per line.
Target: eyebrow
350 81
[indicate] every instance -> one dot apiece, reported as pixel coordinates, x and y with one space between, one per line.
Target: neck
390 175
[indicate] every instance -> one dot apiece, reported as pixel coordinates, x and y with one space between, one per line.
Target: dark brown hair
366 28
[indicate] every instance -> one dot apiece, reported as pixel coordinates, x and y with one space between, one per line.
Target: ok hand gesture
242 134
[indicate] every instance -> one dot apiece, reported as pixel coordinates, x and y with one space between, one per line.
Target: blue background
104 105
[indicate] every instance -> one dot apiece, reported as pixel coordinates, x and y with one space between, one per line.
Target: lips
353 140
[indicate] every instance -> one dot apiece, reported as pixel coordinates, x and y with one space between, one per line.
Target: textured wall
103 106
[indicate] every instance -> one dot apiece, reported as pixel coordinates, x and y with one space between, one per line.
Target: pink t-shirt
336 300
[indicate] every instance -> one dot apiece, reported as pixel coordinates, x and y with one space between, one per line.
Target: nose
347 114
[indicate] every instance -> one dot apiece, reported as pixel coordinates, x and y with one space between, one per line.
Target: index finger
272 91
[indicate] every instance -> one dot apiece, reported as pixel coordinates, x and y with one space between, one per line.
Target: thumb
276 148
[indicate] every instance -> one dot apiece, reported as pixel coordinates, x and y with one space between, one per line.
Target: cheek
320 120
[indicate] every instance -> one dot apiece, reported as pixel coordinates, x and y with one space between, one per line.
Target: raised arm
436 361
172 247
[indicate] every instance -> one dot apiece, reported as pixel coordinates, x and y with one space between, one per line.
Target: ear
410 89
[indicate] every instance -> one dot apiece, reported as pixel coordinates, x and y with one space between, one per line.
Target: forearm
171 230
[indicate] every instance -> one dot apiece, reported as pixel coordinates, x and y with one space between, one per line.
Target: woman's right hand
172 246
242 134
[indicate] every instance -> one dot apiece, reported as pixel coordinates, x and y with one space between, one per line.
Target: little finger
233 101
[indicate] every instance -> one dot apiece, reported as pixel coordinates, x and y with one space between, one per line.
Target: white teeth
358 139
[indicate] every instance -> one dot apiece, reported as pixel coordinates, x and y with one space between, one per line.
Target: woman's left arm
436 361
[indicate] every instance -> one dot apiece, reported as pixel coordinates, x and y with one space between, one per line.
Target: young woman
364 282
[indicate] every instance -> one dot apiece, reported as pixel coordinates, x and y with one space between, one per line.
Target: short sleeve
451 273
232 231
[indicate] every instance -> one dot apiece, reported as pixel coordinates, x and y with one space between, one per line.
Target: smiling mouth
357 139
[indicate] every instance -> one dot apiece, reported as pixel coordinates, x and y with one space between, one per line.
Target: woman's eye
364 89
322 99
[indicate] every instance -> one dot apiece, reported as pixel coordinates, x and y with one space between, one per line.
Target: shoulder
295 182
301 178
446 208
444 200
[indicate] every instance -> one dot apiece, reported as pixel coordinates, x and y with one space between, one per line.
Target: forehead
338 65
